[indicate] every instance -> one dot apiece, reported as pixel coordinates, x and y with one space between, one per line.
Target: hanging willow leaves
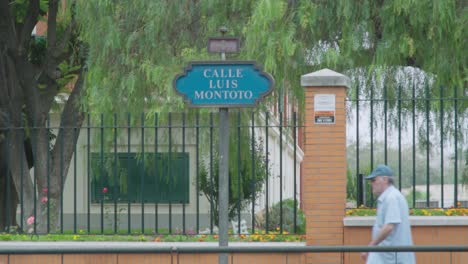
136 47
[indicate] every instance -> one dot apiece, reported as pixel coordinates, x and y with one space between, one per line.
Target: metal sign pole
223 191
223 181
223 84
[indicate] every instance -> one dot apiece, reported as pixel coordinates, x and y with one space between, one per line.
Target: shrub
287 218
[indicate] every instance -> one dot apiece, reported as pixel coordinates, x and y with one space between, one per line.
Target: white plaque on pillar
324 109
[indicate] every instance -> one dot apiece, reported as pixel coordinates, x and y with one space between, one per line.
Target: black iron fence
157 173
420 132
152 174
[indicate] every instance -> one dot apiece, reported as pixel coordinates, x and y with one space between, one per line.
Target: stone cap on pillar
325 77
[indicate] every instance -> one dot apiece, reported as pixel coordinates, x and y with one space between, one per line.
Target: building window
153 177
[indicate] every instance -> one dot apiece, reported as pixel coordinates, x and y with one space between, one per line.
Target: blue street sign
223 84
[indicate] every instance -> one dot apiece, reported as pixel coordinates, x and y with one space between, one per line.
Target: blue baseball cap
381 170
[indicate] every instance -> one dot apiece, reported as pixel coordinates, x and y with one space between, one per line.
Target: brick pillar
324 175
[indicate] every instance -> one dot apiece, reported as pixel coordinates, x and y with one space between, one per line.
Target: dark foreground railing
453 254
144 247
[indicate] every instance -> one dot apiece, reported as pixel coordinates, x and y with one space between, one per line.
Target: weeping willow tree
137 47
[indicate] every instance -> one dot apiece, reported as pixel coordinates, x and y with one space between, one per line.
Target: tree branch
4 98
71 121
50 63
61 49
27 27
6 25
47 96
52 26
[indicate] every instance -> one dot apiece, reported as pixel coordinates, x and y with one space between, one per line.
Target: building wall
427 234
281 162
238 258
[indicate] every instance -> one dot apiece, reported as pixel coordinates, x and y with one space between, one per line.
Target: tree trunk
8 202
20 175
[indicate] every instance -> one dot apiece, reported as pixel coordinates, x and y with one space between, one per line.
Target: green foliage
37 50
351 186
352 190
464 176
287 217
418 195
68 74
20 8
137 47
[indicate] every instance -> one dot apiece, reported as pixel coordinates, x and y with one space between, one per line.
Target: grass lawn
150 236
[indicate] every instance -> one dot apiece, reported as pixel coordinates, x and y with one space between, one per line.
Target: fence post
324 166
360 190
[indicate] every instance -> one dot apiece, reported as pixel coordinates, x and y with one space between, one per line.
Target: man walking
392 227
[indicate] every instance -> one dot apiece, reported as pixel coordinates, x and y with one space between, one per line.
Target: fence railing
453 254
419 132
154 173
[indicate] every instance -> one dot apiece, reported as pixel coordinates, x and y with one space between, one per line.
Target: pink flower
44 199
104 190
30 220
45 190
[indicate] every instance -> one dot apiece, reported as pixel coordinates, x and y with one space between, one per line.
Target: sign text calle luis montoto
223 84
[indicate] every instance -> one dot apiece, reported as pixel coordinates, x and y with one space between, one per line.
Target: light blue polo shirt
392 209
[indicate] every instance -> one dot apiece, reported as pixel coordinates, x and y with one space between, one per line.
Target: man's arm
383 233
